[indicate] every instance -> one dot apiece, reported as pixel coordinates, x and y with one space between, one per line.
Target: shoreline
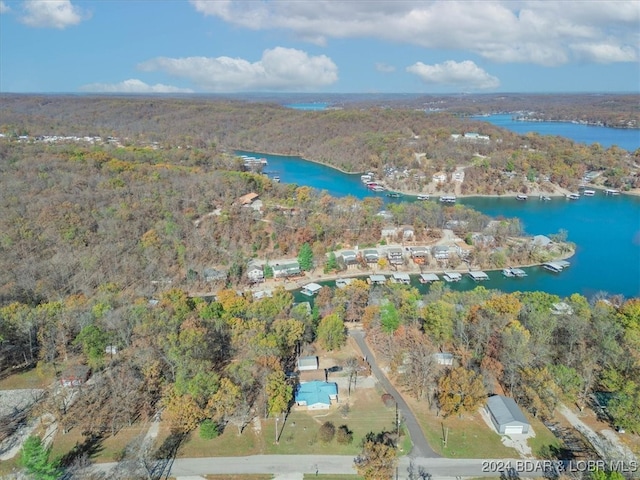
557 193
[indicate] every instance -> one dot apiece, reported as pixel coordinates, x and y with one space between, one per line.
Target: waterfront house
506 416
284 270
440 252
419 254
316 395
255 273
350 258
439 177
395 255
371 255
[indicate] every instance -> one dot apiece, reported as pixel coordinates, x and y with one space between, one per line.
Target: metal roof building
506 416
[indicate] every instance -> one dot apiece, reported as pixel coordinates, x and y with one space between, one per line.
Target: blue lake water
627 139
606 230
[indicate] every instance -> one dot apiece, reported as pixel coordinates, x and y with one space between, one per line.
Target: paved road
434 468
421 447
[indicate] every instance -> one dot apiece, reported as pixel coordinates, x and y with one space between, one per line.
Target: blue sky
350 46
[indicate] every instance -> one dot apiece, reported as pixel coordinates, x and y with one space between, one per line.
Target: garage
506 416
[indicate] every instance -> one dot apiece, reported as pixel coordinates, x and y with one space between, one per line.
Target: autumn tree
331 332
378 459
279 393
460 391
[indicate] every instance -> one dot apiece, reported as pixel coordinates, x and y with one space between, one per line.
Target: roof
248 198
310 361
316 392
505 410
402 276
478 275
429 277
377 278
312 287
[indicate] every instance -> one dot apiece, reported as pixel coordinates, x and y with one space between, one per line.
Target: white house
506 416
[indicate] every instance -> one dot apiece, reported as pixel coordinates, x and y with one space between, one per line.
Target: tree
460 390
326 432
331 264
389 317
378 459
305 257
331 332
94 343
279 392
344 436
624 407
35 459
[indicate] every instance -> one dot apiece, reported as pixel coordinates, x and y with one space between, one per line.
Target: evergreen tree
35 459
305 257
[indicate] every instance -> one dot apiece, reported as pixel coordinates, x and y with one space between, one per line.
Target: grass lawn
467 437
32 378
299 435
544 437
337 476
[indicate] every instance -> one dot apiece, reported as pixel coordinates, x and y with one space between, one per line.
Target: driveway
421 447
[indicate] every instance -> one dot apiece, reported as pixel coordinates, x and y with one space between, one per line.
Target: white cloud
132 85
458 74
4 8
384 68
51 13
604 53
278 69
532 31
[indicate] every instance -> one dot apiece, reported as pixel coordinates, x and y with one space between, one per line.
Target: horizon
323 47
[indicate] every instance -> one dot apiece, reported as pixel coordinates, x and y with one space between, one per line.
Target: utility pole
276 430
397 421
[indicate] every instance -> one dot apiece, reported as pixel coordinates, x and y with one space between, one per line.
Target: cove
605 229
625 138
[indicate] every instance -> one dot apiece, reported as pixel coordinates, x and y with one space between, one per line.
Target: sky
323 46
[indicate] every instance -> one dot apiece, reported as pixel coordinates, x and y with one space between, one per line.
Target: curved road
421 447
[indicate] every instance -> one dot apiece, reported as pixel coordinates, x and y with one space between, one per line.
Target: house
395 255
255 273
561 308
541 241
388 232
248 198
350 258
506 416
440 252
407 232
75 376
308 363
443 358
371 255
284 270
316 395
440 177
419 254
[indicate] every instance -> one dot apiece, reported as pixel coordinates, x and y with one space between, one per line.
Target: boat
521 196
448 199
589 193
573 196
514 272
423 197
612 191
393 195
545 198
276 178
366 178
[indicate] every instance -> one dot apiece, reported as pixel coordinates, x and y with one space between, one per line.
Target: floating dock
478 276
452 276
556 267
428 277
514 272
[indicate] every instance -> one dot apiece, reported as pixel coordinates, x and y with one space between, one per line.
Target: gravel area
12 401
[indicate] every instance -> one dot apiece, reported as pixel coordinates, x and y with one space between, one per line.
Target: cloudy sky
341 46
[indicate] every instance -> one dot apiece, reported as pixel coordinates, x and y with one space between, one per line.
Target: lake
606 230
628 139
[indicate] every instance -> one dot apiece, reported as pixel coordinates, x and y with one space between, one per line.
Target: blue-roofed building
316 395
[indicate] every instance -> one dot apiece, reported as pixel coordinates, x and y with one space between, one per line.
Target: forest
101 245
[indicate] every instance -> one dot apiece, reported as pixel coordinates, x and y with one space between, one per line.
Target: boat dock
377 279
514 272
451 276
311 289
478 276
428 277
556 267
402 278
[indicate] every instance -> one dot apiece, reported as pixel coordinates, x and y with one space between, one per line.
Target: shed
316 395
506 416
308 363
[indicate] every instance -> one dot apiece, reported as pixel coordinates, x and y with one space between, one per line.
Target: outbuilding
506 416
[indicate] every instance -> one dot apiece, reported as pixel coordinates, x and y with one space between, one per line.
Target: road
421 447
434 468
